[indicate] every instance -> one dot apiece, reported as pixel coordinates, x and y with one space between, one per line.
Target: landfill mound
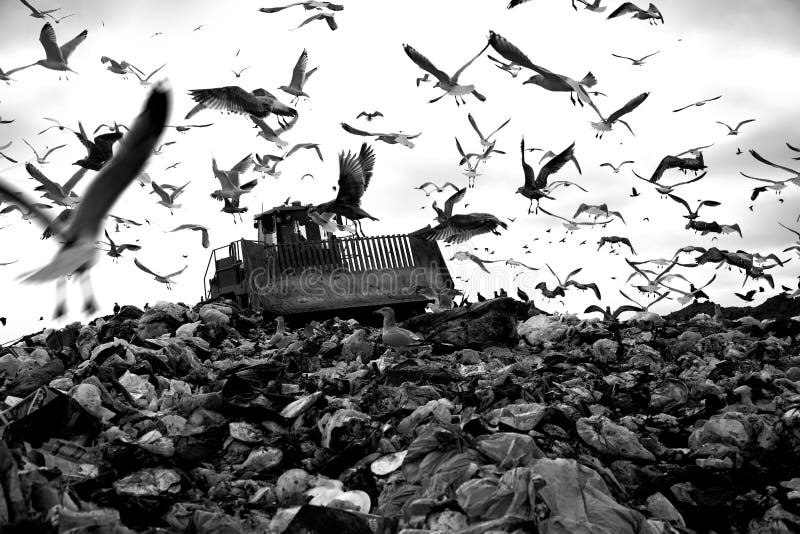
207 419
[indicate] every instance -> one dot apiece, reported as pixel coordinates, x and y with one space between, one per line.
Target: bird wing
794 148
229 98
694 150
263 126
177 191
355 131
623 57
510 52
47 184
475 126
425 64
52 150
9 192
158 69
707 99
160 192
68 48
793 231
554 165
48 39
299 71
243 165
142 267
680 201
590 285
767 162
351 180
479 262
725 125
624 9
684 107
456 197
468 63
632 104
132 154
279 8
744 122
554 215
499 128
583 207
698 177
176 273
366 158
649 55
70 184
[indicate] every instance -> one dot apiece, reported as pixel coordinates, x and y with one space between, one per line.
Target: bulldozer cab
296 267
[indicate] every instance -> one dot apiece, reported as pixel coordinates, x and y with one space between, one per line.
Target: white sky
744 50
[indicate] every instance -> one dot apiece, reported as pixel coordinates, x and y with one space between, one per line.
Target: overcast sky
746 51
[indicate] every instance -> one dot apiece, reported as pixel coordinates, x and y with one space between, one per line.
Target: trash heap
207 420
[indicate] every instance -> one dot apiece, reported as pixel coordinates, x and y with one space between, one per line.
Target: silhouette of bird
197 228
651 14
307 5
144 81
114 250
60 194
536 187
299 78
693 214
166 279
446 83
637 62
606 124
329 19
234 99
735 131
388 138
99 151
698 104
747 297
369 115
56 57
462 227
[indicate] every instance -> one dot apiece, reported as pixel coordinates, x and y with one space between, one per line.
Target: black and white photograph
436 266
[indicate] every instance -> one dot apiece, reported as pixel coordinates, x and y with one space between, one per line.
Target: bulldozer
296 267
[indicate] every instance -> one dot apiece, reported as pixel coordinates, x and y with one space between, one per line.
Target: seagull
238 73
596 7
117 67
793 149
61 195
57 124
606 124
229 180
157 151
667 189
463 255
694 214
597 210
652 14
369 115
234 99
168 199
514 3
572 225
795 180
486 140
388 138
114 250
694 293
164 279
694 163
56 57
329 18
652 283
436 187
145 81
509 67
262 164
446 83
42 160
637 62
545 79
355 173
27 212
536 187
197 228
747 297
77 253
5 147
735 131
462 227
113 127
304 146
100 151
186 127
40 13
614 240
307 5
424 78
697 104
271 135
299 78
569 282
394 336
617 167
443 215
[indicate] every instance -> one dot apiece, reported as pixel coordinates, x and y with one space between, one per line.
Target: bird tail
589 80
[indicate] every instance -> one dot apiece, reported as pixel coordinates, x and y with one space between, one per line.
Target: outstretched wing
425 64
176 273
351 180
68 48
355 131
625 8
510 52
768 162
468 63
230 98
366 159
632 104
553 166
299 71
456 197
142 267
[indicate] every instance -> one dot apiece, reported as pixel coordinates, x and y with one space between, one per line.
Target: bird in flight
606 124
536 187
62 195
238 73
299 78
99 151
231 190
114 250
122 68
735 131
164 279
595 6
144 81
42 160
197 228
78 253
694 214
448 84
329 19
651 14
271 135
698 104
234 99
308 5
634 61
41 13
617 167
4 156
388 138
56 58
486 141
509 67
370 116
435 187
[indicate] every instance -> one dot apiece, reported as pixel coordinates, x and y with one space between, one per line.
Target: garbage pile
207 420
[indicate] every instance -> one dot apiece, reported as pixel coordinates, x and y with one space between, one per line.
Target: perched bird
78 253
697 104
116 308
388 138
164 279
234 99
369 115
299 78
617 167
355 173
480 297
448 84
99 151
652 14
197 228
394 336
735 131
56 57
42 160
637 62
114 250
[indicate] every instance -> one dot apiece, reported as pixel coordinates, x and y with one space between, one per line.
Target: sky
744 51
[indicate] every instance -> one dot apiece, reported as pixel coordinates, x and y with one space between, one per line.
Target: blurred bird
60 194
166 279
42 160
4 156
99 151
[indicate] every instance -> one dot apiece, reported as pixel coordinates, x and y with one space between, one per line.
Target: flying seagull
634 61
651 14
164 279
78 253
299 78
229 180
144 81
42 160
485 140
114 250
269 134
5 147
168 199
606 124
388 138
536 187
617 167
60 194
307 5
329 18
197 228
462 227
448 84
735 131
99 151
369 115
698 104
56 57
234 99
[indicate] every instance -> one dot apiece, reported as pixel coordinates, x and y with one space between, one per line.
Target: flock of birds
119 157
